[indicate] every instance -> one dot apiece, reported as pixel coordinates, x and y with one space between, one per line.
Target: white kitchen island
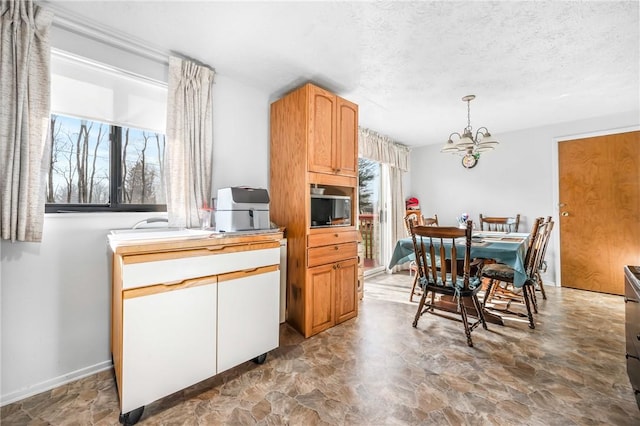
189 304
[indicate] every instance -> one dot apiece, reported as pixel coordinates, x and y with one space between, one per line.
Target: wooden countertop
123 246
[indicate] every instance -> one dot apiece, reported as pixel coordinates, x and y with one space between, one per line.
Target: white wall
519 176
55 295
240 135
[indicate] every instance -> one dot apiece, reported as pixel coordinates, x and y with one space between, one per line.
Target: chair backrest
412 219
500 223
430 221
542 247
433 245
535 241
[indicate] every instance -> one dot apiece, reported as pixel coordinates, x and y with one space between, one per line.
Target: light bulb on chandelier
467 144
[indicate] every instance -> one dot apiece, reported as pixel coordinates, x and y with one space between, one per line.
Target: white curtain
380 148
189 135
24 117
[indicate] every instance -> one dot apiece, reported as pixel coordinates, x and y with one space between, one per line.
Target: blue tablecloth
509 249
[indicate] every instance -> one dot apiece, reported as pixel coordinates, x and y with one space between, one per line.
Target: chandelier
467 144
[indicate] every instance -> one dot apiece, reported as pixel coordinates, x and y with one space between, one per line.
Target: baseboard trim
53 383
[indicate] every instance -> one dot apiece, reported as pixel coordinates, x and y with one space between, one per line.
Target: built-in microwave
330 210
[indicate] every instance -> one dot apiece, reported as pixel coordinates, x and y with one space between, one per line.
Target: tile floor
378 370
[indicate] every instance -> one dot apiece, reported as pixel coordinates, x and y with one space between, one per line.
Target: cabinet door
248 317
320 299
346 284
169 343
347 138
322 131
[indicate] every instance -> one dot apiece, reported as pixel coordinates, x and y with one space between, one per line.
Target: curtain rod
82 26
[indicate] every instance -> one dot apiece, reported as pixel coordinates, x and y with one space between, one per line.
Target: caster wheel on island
260 359
132 417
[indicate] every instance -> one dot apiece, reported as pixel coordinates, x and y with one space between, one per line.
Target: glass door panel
372 213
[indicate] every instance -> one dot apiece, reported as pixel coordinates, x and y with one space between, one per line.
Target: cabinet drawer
192 264
332 253
328 238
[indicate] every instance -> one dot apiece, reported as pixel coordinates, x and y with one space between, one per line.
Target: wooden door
346 289
320 306
599 180
322 130
347 138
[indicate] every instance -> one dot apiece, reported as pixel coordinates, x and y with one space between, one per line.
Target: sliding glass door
373 205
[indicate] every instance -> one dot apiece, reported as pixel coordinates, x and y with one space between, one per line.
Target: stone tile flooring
378 370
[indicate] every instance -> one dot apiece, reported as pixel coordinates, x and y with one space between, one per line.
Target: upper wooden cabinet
333 133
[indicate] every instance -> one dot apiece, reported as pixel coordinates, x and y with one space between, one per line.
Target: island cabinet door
248 315
169 340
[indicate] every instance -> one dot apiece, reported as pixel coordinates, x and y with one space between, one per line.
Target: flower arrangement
462 220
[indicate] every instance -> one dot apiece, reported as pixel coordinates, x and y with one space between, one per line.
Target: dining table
504 247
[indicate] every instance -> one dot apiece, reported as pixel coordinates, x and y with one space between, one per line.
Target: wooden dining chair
499 273
499 223
413 268
540 262
439 273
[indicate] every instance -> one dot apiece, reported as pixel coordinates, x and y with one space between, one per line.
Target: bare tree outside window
142 165
82 155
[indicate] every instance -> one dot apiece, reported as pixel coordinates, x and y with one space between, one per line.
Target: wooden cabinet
346 294
347 138
333 133
320 298
314 142
185 310
332 295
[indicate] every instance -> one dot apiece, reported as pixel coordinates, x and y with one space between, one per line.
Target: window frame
115 185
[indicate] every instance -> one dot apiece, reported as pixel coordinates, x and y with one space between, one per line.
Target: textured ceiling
408 64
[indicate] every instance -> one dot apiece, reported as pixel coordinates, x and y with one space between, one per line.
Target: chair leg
488 292
413 288
465 321
534 298
541 284
525 290
479 309
420 306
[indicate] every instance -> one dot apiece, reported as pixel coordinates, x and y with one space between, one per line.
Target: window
107 138
95 166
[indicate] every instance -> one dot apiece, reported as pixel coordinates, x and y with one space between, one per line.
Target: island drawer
174 267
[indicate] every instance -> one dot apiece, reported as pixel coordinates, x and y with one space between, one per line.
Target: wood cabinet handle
172 283
216 248
336 248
